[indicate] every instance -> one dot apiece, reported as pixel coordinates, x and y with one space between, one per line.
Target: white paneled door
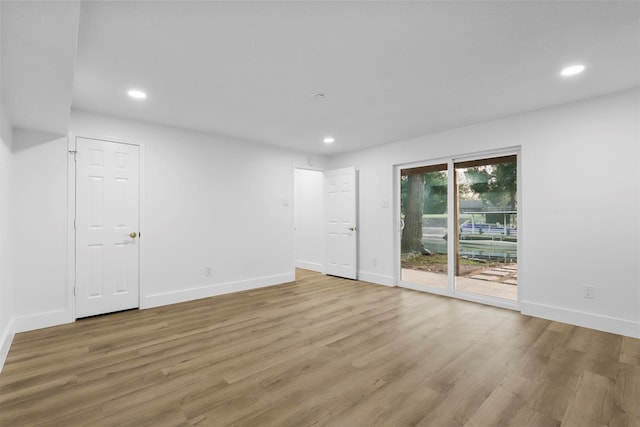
341 242
107 226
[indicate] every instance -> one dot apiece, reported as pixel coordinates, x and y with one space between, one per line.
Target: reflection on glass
487 214
423 208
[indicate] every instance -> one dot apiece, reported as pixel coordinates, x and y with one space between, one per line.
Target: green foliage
495 184
478 179
437 259
435 193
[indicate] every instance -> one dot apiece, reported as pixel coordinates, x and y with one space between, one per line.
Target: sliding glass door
423 206
487 232
459 227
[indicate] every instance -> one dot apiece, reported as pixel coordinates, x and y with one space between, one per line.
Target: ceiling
389 70
38 49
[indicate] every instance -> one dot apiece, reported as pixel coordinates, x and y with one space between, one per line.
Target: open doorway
309 219
325 221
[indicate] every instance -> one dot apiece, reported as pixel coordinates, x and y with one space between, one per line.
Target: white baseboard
42 320
5 343
378 279
313 266
588 320
207 291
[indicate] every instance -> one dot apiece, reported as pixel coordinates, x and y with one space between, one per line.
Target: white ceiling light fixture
137 94
572 70
328 140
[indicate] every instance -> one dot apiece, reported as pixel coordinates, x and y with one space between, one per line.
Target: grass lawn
437 263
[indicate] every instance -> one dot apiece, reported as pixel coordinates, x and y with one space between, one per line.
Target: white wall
6 283
579 213
227 204
39 224
210 202
309 219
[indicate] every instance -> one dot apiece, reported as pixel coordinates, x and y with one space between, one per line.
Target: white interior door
107 226
341 242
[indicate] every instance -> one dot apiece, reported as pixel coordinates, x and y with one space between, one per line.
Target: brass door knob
133 234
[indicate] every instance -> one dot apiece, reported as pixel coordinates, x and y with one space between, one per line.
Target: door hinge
75 154
74 291
74 224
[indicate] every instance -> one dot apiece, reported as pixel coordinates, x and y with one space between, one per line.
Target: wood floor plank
498 409
627 395
630 351
592 403
321 351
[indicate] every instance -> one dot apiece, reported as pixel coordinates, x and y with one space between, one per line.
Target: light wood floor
325 352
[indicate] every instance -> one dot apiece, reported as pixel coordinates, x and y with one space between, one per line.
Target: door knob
133 234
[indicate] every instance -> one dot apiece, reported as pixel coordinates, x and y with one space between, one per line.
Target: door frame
72 141
451 291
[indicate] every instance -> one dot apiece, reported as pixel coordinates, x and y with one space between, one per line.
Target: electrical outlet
375 262
207 271
589 292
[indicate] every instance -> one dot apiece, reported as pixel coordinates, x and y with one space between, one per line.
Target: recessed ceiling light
137 94
572 70
328 140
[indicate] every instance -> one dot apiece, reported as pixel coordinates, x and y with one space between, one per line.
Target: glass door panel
486 208
423 212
